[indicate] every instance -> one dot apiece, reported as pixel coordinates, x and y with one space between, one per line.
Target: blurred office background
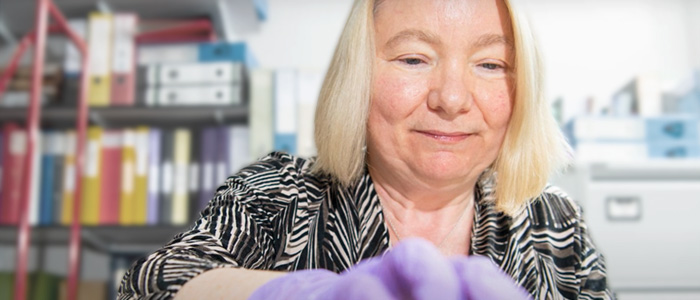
622 76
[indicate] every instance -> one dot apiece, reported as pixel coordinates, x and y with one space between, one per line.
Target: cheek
395 98
496 107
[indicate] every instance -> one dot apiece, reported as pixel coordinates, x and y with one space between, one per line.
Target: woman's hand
481 279
415 269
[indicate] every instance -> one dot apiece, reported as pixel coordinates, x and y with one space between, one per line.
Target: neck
421 197
445 219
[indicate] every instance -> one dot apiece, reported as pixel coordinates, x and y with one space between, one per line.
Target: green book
44 286
7 285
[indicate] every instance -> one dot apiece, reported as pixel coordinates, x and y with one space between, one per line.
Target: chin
445 167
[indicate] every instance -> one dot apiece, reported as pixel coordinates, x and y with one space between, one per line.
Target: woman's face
442 89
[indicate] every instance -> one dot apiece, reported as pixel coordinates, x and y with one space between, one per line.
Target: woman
430 124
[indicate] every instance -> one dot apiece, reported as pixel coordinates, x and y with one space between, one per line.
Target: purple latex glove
414 269
321 284
481 279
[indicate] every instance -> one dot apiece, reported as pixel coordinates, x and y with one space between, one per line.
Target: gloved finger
359 286
416 269
481 279
296 285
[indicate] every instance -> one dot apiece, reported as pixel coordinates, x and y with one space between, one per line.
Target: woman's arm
219 284
230 234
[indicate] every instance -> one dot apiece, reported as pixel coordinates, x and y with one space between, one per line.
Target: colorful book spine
68 191
141 136
208 159
7 285
181 157
154 170
111 177
193 175
13 161
127 209
48 157
2 156
222 156
92 185
60 150
100 49
123 59
165 206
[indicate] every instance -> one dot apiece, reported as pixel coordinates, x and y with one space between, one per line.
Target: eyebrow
492 39
430 38
411 34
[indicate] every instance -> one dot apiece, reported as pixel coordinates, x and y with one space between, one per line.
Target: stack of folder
132 176
194 74
160 67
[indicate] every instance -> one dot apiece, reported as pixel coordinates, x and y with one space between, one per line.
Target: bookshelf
130 116
119 241
105 239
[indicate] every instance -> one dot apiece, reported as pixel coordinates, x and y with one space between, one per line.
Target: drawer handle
623 208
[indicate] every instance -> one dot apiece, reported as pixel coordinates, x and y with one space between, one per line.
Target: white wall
692 17
299 33
592 48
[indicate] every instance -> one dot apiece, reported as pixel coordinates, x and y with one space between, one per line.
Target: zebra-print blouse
277 215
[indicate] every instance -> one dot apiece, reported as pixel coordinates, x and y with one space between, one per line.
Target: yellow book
181 162
126 207
100 49
68 194
141 176
90 213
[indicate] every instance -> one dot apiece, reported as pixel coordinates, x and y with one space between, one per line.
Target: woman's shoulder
277 171
276 162
553 209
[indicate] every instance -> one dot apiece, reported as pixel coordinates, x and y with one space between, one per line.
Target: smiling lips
448 137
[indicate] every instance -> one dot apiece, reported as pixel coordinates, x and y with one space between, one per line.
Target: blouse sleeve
233 231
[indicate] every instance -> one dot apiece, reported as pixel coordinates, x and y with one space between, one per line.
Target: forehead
443 16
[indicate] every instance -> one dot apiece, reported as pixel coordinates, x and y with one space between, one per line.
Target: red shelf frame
38 38
190 31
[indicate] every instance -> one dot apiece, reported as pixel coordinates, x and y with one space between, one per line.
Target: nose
451 93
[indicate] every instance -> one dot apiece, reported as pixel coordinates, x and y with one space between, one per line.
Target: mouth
447 137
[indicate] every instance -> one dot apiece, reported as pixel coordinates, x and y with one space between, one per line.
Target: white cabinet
645 219
649 231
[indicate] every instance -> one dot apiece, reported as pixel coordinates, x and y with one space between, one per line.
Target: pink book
111 177
13 155
123 59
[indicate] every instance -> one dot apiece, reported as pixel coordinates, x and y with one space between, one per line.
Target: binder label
128 177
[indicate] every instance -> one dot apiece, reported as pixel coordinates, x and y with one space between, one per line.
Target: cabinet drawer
649 231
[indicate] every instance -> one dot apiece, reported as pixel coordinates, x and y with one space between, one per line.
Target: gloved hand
321 284
414 269
481 279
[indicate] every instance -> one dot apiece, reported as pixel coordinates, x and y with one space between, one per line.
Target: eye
491 66
412 61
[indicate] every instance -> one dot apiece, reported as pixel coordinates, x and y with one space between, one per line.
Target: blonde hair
532 149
